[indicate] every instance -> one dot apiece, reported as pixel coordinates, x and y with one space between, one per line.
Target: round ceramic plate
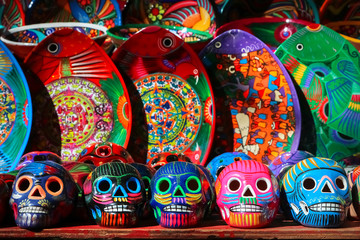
103 12
196 39
176 96
272 31
15 111
257 107
195 14
87 91
329 76
22 40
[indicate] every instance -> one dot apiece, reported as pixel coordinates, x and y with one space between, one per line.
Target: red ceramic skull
100 153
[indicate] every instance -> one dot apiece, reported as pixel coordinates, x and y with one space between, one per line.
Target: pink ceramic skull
247 194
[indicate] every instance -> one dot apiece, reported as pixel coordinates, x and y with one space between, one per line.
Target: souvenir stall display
169 119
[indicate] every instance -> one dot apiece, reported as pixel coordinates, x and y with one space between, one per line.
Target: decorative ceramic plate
329 76
15 111
173 91
196 39
195 14
272 31
102 12
88 92
257 106
22 40
12 14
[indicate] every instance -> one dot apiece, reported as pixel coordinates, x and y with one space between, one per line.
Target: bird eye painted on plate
53 48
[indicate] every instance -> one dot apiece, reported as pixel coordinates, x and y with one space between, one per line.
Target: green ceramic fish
326 67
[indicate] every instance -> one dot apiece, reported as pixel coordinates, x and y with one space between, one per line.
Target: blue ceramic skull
218 163
181 195
115 195
316 192
44 193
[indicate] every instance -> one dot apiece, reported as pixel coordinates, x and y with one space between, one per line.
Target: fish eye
299 47
167 42
218 44
53 47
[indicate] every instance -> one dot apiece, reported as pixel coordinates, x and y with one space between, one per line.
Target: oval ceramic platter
87 90
257 107
103 12
15 111
175 92
195 14
12 14
326 67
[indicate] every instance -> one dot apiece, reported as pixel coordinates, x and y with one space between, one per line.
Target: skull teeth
33 210
119 208
246 208
327 207
177 208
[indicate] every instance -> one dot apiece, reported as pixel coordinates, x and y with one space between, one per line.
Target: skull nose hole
103 151
326 189
179 192
248 193
36 193
120 192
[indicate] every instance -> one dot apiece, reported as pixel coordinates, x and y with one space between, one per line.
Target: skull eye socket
193 184
133 185
219 170
146 181
263 184
234 184
341 183
163 185
104 185
54 186
23 184
309 183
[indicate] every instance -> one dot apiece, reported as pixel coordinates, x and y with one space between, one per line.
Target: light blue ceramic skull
316 192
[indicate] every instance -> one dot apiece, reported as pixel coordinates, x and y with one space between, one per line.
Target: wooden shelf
213 229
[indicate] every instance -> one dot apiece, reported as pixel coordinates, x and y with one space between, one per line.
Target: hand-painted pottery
218 163
22 40
79 172
294 9
37 156
115 195
173 92
350 30
15 111
286 160
316 192
355 193
102 12
333 10
247 194
163 158
44 194
100 153
272 31
195 14
257 108
87 90
12 14
4 199
9 179
147 172
181 195
196 39
328 75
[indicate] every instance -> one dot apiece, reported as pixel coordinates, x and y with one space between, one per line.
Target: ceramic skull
247 194
100 153
115 195
181 195
37 156
316 192
218 163
44 193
